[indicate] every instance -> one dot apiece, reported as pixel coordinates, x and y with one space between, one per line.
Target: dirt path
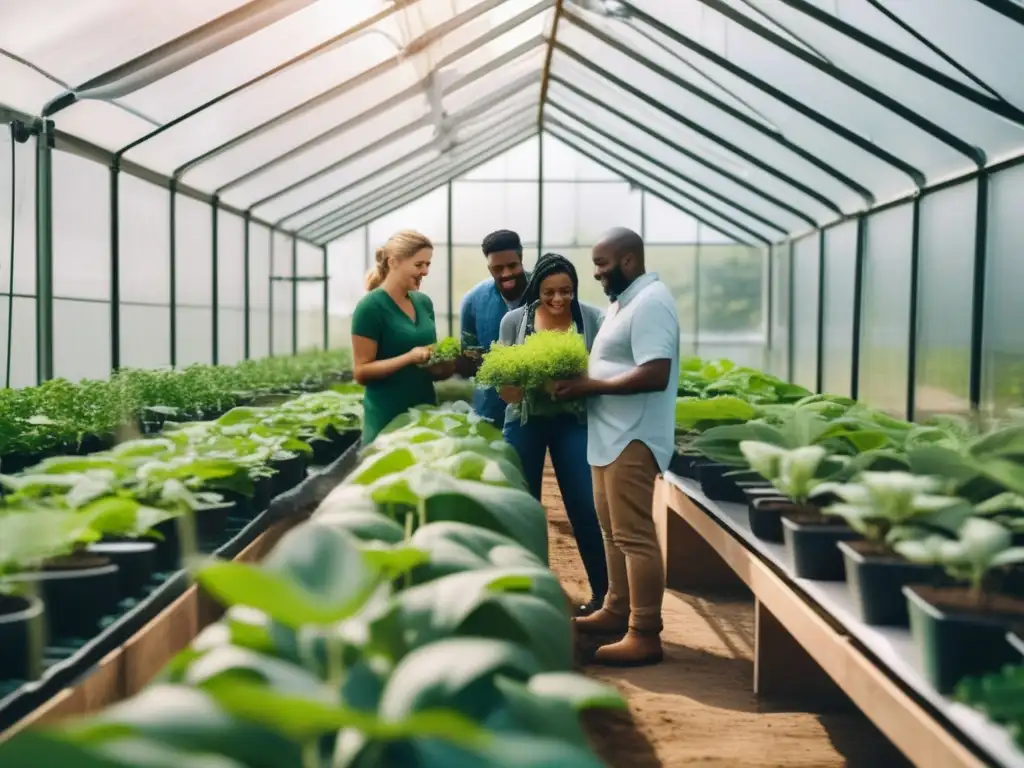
697 708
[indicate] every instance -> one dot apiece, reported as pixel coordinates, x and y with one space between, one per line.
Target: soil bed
962 600
698 707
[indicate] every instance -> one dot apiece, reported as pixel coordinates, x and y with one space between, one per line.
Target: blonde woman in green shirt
392 332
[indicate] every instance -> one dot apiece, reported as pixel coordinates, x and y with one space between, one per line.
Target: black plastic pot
683 464
290 472
811 544
16 614
876 584
211 523
953 644
168 550
94 444
78 591
716 485
764 513
135 561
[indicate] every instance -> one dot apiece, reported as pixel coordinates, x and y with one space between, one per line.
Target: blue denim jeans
566 438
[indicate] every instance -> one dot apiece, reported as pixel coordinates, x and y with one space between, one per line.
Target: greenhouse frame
743 124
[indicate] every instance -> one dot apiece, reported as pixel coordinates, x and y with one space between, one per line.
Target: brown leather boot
601 622
636 649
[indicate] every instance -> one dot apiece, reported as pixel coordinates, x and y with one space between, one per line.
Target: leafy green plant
445 351
1000 696
794 473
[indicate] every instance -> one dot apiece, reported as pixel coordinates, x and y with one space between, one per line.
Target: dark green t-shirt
378 317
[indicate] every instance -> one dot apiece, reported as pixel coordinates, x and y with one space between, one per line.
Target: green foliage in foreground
411 622
59 413
66 502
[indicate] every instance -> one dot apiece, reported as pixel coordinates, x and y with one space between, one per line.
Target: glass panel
806 269
81 339
691 172
664 224
25 89
1003 346
259 291
944 301
145 335
885 310
103 124
518 163
194 281
579 213
651 181
629 68
310 298
81 228
23 342
778 352
837 328
730 301
676 265
230 287
145 237
24 224
348 260
281 297
482 207
630 153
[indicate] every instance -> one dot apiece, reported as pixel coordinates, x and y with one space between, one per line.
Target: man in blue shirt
486 304
630 388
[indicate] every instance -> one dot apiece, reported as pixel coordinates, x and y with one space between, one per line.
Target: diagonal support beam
546 76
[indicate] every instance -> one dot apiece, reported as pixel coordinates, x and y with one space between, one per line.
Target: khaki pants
624 494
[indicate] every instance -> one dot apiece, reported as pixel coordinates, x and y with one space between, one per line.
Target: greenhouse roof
762 118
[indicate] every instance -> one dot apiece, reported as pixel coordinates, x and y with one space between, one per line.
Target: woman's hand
511 395
417 355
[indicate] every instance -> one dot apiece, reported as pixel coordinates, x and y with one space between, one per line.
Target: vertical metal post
858 292
368 255
44 251
295 295
270 298
643 215
789 313
915 262
327 297
820 380
246 301
769 312
451 265
115 266
540 194
172 297
215 284
696 294
978 305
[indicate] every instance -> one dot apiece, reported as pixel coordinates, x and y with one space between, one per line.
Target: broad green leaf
379 465
365 524
454 547
35 749
692 411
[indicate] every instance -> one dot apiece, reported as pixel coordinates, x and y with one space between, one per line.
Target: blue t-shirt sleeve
654 331
468 316
368 318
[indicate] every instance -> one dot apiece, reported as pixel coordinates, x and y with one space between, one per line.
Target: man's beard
617 283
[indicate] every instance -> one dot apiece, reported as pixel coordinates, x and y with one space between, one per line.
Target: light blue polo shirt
641 326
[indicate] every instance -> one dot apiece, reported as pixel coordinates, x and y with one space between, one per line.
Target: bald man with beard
631 394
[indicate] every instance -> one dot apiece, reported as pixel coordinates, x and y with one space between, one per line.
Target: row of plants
412 621
60 416
924 522
82 538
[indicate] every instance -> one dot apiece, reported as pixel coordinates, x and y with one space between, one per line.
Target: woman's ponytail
380 270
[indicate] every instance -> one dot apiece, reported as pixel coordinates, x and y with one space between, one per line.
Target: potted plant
886 507
961 629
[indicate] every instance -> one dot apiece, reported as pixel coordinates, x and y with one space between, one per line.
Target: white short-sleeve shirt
641 326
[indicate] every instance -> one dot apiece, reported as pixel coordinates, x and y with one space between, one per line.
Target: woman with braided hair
550 303
392 333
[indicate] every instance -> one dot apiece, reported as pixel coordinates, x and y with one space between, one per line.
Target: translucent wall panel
22 370
885 310
21 169
310 295
259 291
806 271
1003 342
81 228
81 339
347 264
484 206
840 264
579 213
731 282
778 348
282 341
145 274
230 287
944 300
518 163
676 266
562 163
194 281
